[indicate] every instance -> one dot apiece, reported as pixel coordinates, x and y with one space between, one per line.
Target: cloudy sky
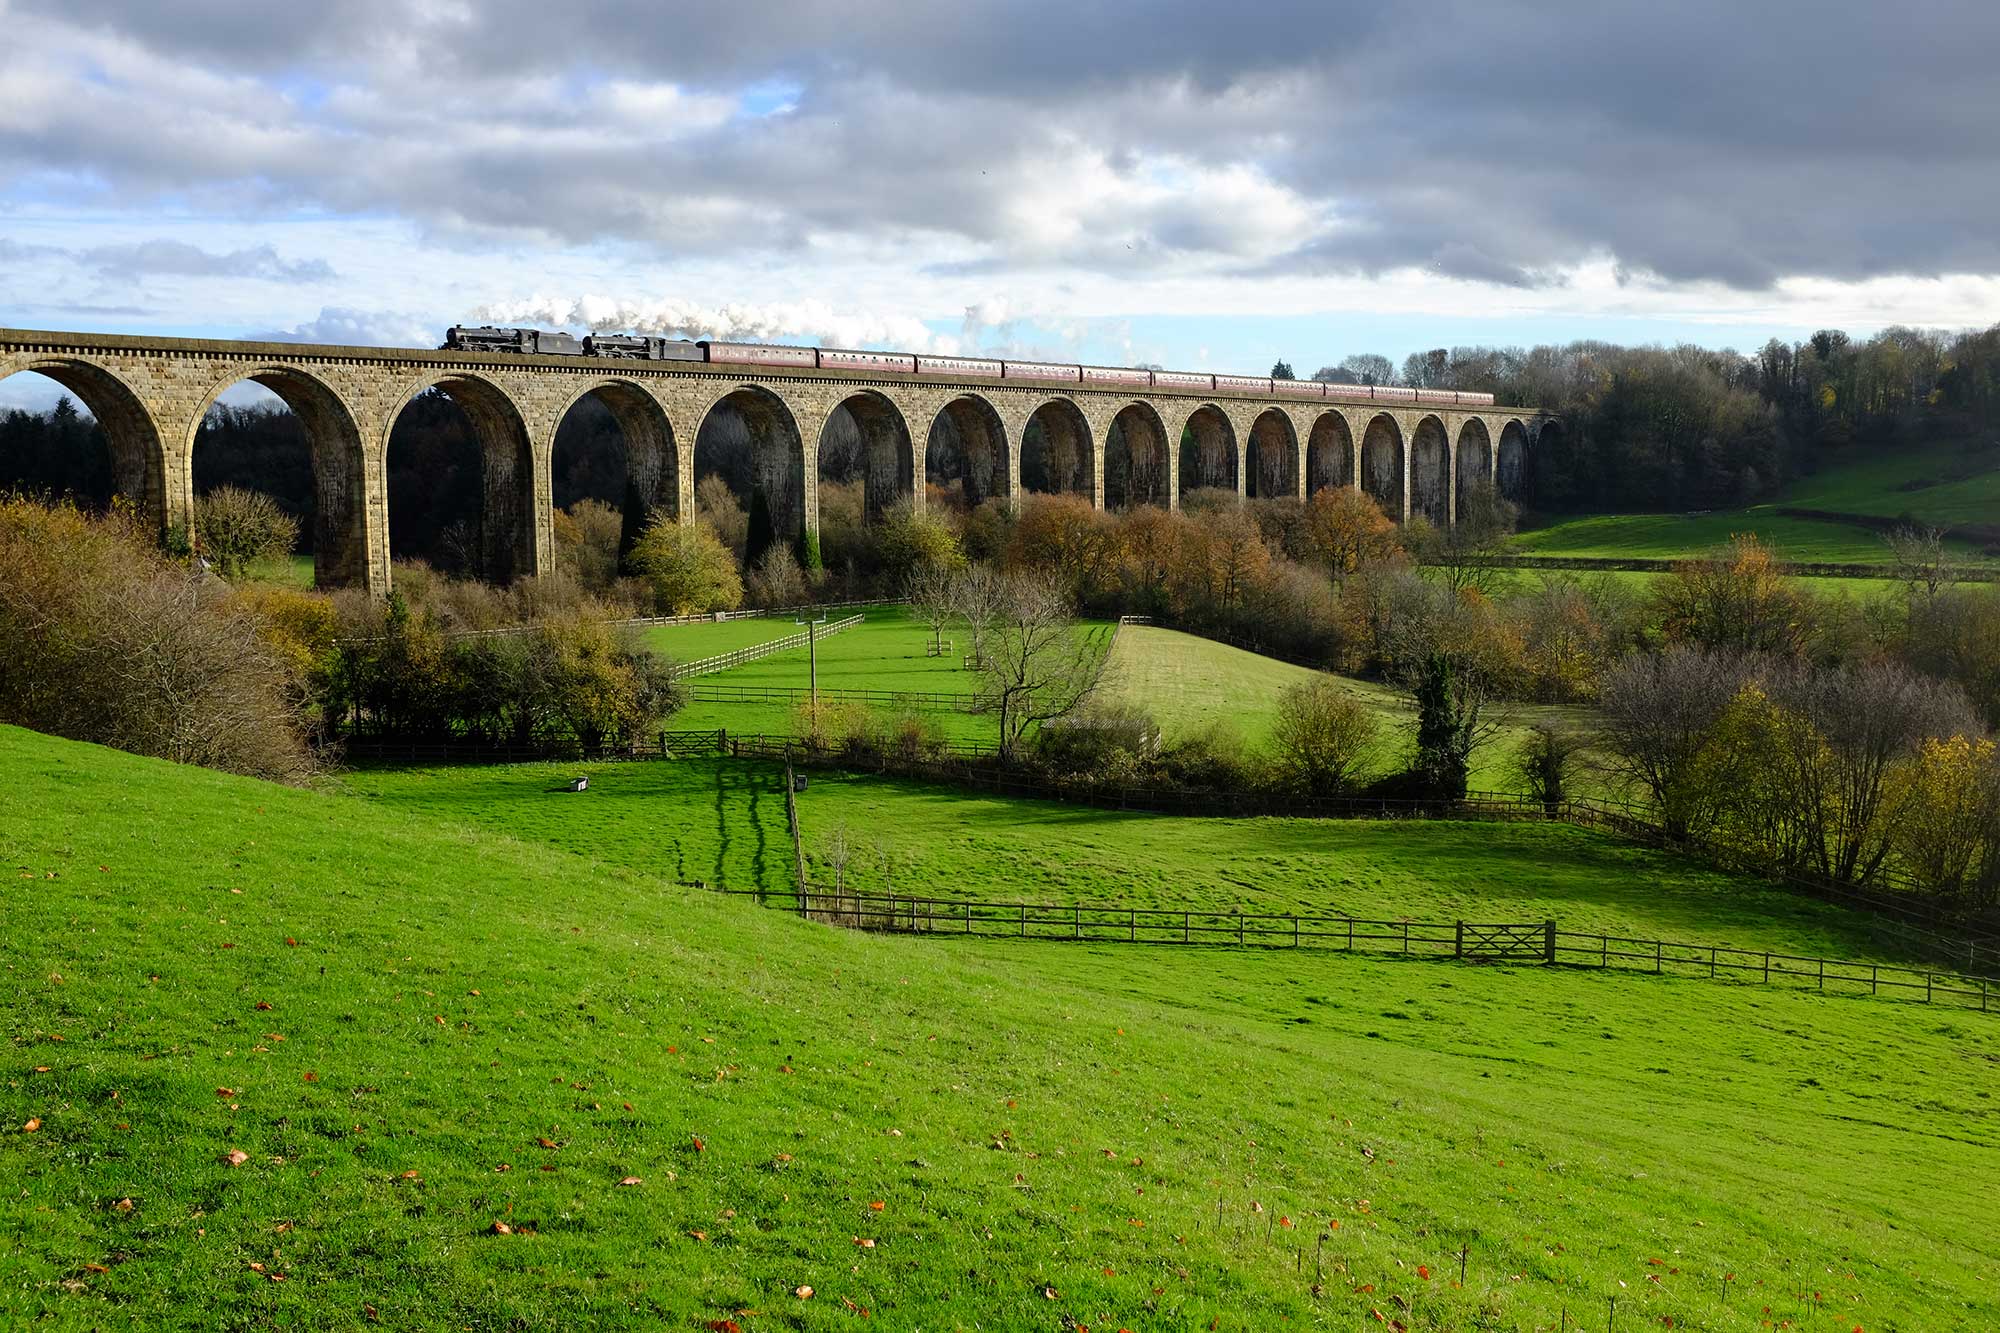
1187 183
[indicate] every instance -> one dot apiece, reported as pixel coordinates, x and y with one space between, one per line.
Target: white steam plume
807 321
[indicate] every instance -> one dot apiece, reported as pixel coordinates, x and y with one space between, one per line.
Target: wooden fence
1537 943
707 666
789 694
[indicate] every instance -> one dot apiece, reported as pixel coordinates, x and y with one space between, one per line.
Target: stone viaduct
151 394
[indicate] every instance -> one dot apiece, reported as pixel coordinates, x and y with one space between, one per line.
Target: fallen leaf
1424 1272
723 1326
236 1157
411 1175
503 1168
546 1143
311 1077
803 1293
256 1268
225 1092
877 1206
32 1125
631 1180
123 1205
697 1235
864 1242
502 1229
290 942
95 1268
1049 1294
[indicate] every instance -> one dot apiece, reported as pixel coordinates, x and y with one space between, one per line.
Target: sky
1171 182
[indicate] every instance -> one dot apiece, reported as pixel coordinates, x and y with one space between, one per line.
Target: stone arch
778 471
1382 465
652 452
1208 454
513 518
1057 453
1473 468
1271 457
1137 467
886 460
1430 471
1329 453
342 538
1510 469
139 465
968 442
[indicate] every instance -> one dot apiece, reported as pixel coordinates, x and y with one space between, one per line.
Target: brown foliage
103 639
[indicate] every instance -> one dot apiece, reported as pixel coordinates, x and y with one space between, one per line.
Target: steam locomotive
621 346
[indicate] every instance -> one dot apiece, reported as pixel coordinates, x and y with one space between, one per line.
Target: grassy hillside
1945 484
721 822
412 1028
1189 684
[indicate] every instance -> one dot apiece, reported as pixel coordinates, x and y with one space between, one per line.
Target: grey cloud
1494 142
179 259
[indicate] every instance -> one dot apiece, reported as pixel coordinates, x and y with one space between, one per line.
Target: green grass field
1941 484
887 652
1671 536
687 643
412 1025
723 823
1189 684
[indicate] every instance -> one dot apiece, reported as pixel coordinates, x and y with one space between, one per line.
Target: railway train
619 346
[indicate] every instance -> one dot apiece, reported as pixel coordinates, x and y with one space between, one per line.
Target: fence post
1822 974
1658 948
1548 941
1131 924
1458 942
1350 934
1295 930
1186 917
1929 978
1767 967
1239 925
1024 921
1076 923
1406 936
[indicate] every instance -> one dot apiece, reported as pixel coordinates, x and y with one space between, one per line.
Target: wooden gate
1507 942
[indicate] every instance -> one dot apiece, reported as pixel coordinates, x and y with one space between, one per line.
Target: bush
1543 763
104 639
235 528
1320 738
690 570
587 535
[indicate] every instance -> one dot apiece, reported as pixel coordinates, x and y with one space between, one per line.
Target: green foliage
1445 732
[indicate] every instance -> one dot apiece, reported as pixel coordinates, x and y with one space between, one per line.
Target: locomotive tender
622 346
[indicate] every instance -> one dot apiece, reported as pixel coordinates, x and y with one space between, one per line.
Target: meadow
887 653
1939 483
313 1059
1191 685
722 823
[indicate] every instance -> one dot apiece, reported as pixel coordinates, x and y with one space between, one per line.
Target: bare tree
976 597
931 588
1039 665
1658 711
1919 553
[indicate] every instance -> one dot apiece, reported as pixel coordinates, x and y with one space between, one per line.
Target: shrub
235 528
104 639
1320 738
1543 763
587 535
689 568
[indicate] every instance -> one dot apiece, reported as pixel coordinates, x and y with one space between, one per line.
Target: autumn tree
1737 600
1345 530
688 567
1947 825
